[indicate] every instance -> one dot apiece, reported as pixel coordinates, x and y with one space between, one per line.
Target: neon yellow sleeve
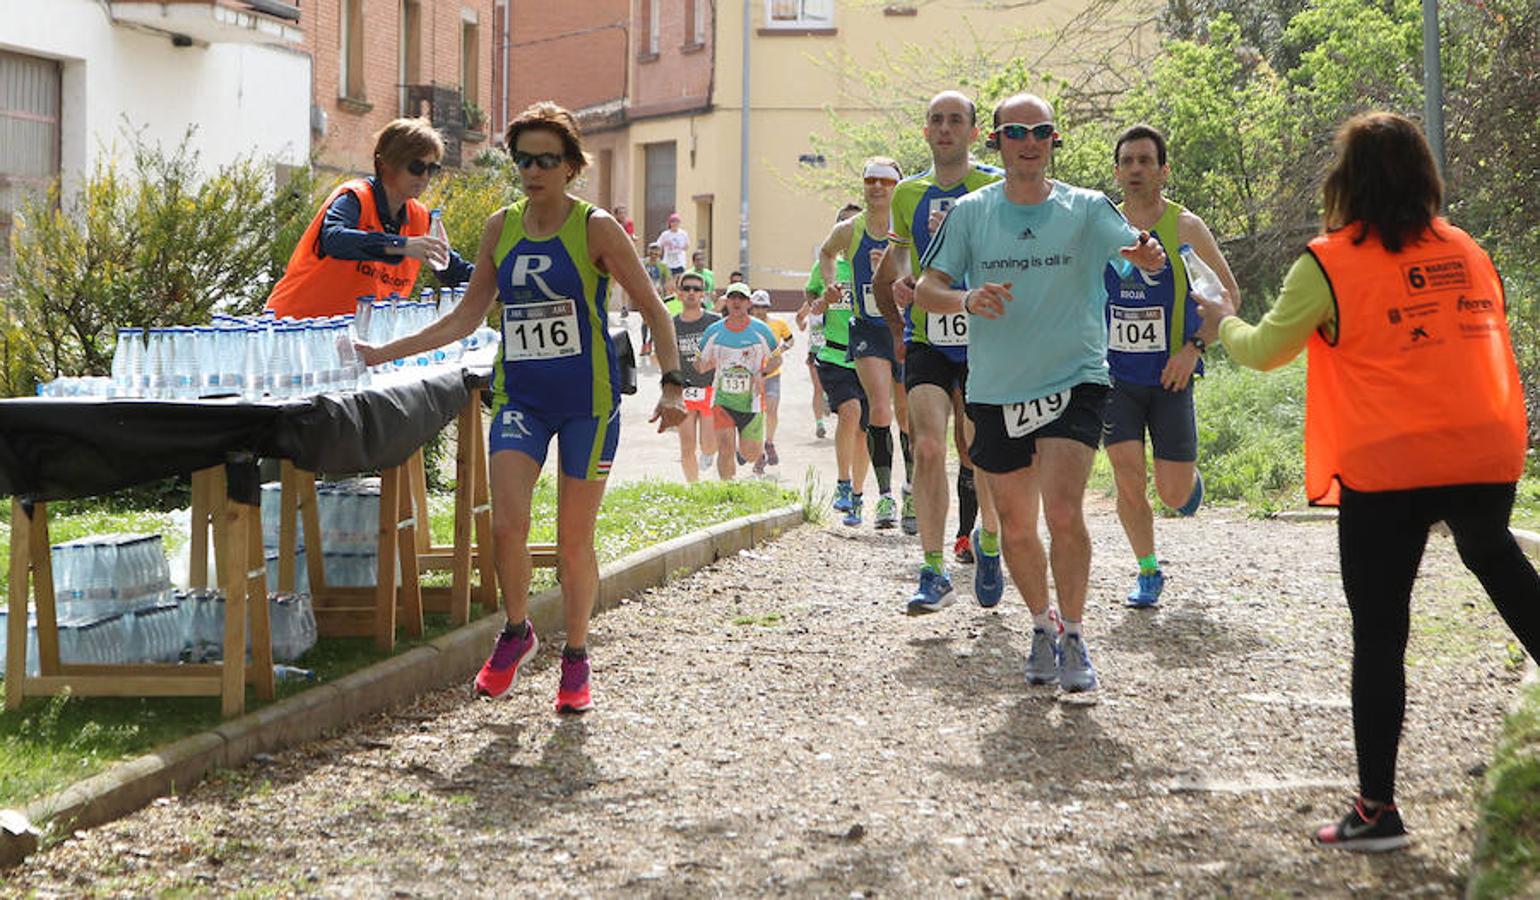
1304 304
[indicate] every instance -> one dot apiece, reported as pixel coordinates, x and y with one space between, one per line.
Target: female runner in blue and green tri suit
548 259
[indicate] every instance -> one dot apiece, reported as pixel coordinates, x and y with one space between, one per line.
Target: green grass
1507 862
51 742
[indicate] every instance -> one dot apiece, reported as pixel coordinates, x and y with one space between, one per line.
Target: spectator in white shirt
675 244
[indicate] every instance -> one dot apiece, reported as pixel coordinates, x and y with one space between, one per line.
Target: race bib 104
1021 419
1137 329
546 330
950 330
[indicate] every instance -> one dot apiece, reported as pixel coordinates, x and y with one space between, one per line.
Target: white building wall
242 98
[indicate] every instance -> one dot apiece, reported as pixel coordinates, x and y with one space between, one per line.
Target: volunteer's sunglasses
1018 132
417 167
545 161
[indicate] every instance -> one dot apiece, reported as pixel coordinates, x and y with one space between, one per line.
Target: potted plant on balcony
475 120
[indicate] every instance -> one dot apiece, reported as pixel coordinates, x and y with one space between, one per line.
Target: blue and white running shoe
933 595
988 579
1075 670
842 494
1043 662
1195 499
853 512
1147 592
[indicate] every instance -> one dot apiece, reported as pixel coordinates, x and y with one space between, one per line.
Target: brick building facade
375 60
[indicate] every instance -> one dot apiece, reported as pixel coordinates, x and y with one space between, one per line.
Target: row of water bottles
187 626
253 357
108 574
348 512
291 620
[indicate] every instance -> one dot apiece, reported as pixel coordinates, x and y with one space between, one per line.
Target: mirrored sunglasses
545 161
1018 132
417 167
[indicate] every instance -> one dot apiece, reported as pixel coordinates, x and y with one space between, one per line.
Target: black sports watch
1201 344
673 376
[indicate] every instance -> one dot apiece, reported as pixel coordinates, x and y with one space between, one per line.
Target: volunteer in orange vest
371 235
1414 414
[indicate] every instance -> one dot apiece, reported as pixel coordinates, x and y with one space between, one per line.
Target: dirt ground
775 725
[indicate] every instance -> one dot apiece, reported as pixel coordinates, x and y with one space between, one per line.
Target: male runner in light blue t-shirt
1034 251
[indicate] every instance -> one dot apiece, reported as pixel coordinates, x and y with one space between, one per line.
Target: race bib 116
547 330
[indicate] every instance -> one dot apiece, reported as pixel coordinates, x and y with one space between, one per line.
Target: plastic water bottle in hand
440 260
1204 282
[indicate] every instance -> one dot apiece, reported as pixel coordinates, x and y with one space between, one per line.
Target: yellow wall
793 85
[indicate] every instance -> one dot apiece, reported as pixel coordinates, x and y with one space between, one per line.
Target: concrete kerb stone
303 717
128 786
445 660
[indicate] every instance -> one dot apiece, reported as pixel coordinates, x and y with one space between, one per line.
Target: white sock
1071 628
1043 622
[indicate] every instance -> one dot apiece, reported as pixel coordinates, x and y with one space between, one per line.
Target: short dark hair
846 211
1138 133
695 275
549 117
735 276
1383 180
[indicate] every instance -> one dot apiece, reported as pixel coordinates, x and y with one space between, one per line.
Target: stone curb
449 659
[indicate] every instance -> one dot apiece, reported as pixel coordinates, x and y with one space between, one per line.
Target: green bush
1251 434
147 242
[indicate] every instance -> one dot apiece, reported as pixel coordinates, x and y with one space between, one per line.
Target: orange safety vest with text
1419 386
316 285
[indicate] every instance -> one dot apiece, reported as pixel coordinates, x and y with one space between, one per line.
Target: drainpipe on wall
507 39
743 146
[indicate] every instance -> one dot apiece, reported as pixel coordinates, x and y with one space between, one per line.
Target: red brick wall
576 58
348 142
679 77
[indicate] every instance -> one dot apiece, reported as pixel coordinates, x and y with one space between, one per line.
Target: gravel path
774 725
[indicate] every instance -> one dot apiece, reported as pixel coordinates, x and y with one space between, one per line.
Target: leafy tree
153 245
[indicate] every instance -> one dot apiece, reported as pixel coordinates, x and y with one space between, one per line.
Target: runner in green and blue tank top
863 239
1154 347
837 374
935 349
548 259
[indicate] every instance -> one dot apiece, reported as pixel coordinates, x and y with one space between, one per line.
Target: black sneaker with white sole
1365 832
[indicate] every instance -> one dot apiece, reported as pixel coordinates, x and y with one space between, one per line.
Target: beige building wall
794 84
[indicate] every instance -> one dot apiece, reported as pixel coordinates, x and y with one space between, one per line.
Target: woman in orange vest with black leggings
371 234
1414 414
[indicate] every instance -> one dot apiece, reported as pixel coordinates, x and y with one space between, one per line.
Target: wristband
967 295
1200 343
673 376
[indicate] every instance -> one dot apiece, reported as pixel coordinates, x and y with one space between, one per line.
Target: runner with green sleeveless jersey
936 349
1154 347
862 239
548 258
837 373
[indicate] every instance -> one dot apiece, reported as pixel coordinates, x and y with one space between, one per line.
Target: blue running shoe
842 494
1195 499
853 514
1043 662
1147 593
1075 671
933 595
988 580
